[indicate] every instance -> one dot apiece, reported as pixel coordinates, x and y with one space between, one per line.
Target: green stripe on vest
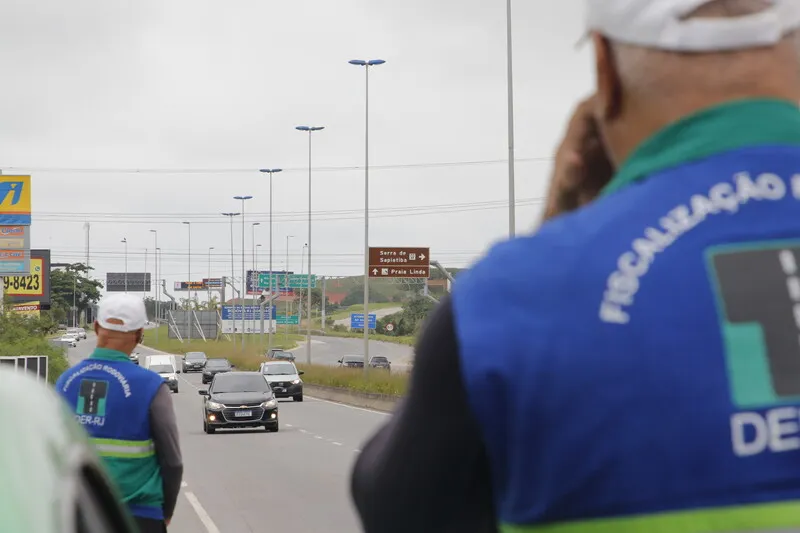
718 520
134 466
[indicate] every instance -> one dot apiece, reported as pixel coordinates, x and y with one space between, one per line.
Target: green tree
24 335
73 284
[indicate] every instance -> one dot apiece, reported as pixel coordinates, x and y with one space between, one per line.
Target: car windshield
217 363
239 382
195 356
353 359
162 369
280 369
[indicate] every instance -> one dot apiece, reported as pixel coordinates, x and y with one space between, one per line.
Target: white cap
662 24
125 308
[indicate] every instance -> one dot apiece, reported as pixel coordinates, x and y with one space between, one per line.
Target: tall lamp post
253 239
209 276
157 294
310 130
300 305
271 171
286 284
366 65
233 280
244 280
510 67
189 296
125 242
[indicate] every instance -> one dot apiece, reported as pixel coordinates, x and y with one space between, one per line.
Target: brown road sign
385 262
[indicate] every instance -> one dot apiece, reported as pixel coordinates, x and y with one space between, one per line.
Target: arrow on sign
422 256
375 271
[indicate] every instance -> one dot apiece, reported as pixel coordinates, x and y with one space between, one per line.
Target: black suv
194 361
239 400
214 367
380 361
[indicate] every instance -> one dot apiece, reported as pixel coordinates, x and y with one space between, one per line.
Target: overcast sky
213 90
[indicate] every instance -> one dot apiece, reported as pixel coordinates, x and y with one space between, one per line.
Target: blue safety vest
635 366
111 399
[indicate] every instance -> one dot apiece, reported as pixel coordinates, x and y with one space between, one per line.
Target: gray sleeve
164 428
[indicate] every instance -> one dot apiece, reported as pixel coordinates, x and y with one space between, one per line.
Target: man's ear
609 86
140 336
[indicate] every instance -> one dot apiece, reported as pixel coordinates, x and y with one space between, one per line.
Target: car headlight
297 381
270 404
214 405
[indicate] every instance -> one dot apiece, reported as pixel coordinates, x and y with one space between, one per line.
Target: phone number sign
34 286
31 285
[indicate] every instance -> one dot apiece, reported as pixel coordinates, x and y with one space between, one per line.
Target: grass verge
376 382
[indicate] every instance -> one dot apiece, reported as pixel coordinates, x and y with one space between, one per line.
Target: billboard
251 312
183 286
33 286
26 309
128 282
15 245
15 200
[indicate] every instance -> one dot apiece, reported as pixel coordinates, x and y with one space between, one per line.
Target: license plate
244 413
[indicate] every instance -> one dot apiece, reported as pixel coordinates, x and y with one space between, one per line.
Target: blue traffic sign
357 321
251 312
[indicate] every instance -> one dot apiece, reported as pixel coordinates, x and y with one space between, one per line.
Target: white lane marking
288 425
209 524
303 431
350 406
317 437
184 484
336 443
356 451
189 383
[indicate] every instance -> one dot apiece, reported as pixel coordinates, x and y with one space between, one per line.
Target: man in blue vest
127 411
642 371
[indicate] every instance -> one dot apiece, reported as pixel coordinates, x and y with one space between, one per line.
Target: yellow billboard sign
26 309
31 285
15 200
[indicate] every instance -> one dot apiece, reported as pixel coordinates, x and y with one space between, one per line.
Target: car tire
176 390
298 398
208 429
271 429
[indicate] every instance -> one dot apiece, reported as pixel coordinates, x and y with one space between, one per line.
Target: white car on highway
69 340
79 333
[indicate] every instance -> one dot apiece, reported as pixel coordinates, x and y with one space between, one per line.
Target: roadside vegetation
216 348
377 381
23 335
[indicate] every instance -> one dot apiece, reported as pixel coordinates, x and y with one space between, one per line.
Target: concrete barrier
378 402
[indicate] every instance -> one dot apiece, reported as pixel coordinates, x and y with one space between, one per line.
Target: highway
254 481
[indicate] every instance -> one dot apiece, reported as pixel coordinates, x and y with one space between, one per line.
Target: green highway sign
290 320
294 281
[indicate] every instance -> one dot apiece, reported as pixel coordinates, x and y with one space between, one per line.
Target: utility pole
324 281
510 67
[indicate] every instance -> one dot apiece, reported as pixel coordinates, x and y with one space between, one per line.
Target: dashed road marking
336 443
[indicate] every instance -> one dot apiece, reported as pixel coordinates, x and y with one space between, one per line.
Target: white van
165 366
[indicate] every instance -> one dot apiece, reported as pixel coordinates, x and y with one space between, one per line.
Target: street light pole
125 242
209 276
155 234
189 296
366 65
286 284
244 279
511 192
144 281
233 280
253 238
310 130
271 171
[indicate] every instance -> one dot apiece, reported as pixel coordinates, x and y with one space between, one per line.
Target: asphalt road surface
253 481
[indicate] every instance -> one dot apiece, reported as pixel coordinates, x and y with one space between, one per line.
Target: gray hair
658 72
